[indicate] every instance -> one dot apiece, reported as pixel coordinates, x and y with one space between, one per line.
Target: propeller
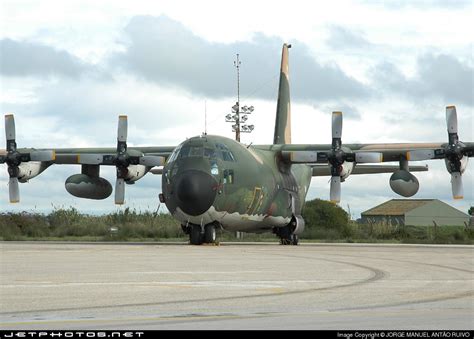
121 159
337 156
453 152
13 158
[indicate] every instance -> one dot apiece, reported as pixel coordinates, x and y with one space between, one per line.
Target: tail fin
283 114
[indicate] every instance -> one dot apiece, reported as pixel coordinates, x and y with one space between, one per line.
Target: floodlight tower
239 114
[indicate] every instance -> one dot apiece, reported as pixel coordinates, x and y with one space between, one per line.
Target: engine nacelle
404 183
347 168
464 161
135 172
87 187
297 224
29 170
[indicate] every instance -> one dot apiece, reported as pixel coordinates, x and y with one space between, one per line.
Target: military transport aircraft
210 181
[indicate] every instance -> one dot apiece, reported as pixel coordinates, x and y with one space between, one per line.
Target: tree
322 213
471 211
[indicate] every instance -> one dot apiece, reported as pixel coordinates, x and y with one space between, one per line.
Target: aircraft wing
343 158
325 170
148 156
131 163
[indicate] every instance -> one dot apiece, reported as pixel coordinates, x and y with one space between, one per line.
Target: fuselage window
228 176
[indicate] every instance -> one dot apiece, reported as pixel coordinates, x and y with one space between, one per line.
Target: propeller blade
368 157
10 127
14 190
120 191
336 125
451 119
421 154
456 185
122 128
151 160
335 189
43 155
90 159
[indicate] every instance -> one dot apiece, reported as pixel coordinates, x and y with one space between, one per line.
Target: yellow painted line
8 115
337 113
54 155
408 156
122 117
452 106
458 197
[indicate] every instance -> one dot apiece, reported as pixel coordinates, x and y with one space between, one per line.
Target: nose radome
196 191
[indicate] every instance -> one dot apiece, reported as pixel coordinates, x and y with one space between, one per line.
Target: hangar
415 212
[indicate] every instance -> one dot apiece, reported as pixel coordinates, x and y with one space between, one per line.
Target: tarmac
145 286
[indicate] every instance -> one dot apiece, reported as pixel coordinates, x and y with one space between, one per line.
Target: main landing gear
201 235
286 235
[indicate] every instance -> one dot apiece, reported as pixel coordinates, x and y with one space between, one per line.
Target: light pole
239 114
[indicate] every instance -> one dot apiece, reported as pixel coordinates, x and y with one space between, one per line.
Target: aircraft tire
195 235
294 239
210 234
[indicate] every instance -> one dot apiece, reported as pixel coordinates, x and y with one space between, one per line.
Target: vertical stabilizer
283 113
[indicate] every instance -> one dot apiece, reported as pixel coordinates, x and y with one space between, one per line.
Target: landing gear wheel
289 239
210 234
195 235
294 239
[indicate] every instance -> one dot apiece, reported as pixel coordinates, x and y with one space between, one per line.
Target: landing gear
286 236
195 236
210 234
198 237
292 240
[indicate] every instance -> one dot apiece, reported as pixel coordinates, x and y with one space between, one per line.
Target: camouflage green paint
282 133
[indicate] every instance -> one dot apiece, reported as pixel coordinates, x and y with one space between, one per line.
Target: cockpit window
191 151
209 152
175 153
226 153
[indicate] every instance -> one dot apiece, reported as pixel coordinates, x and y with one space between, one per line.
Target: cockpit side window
225 152
175 153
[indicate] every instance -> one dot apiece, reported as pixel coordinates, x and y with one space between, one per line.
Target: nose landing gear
199 235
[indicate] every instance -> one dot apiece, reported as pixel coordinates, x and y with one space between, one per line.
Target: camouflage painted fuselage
252 189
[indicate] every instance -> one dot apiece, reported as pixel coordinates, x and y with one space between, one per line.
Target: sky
69 68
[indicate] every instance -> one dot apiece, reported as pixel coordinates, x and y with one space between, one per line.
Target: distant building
415 212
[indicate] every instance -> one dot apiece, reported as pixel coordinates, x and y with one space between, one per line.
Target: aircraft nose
195 191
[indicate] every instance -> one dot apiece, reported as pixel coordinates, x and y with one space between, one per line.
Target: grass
131 225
